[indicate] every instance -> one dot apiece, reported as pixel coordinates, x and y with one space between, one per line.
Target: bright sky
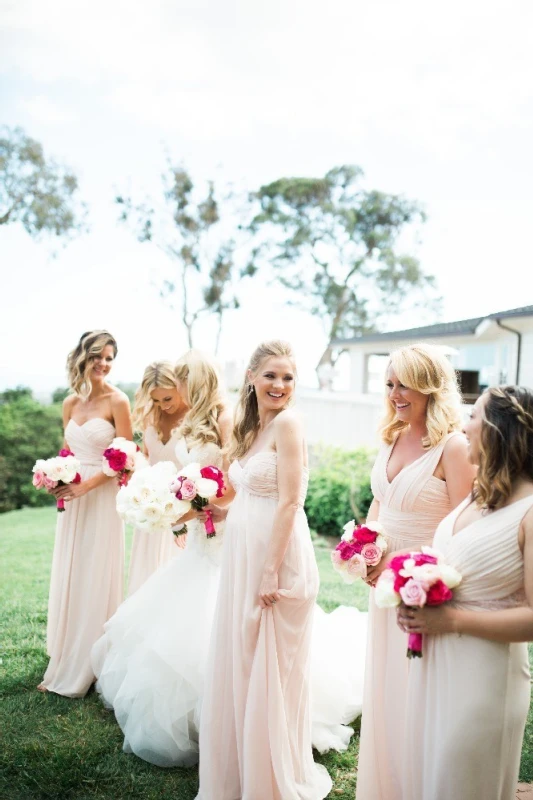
433 101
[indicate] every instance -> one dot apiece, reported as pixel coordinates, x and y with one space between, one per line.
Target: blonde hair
425 369
79 360
247 411
201 382
506 445
157 375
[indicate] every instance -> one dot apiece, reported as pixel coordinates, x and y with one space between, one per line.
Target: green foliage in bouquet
28 431
339 488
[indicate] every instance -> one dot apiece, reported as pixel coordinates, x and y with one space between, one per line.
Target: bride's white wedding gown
151 660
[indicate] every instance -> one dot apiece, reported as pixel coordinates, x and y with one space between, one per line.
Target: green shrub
339 488
28 431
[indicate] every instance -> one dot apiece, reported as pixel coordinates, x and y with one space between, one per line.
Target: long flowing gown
468 698
255 733
86 585
410 508
151 660
149 551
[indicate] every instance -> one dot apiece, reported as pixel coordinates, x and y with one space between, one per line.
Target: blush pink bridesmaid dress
410 508
255 730
86 585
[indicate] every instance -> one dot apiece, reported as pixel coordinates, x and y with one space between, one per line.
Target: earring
251 389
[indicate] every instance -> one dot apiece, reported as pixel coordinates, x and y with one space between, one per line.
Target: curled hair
426 369
79 360
201 386
157 375
506 444
247 413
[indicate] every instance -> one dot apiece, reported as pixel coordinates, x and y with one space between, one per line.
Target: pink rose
372 554
356 566
49 483
337 560
116 459
413 593
187 491
39 479
364 535
438 593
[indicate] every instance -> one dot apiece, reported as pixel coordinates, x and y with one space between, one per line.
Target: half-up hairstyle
426 369
79 361
506 444
200 382
247 412
158 375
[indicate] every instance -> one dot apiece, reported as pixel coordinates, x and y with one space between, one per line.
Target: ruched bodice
411 505
487 554
259 476
88 441
159 450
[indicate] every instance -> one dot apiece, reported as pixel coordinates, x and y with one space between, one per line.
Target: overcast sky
433 101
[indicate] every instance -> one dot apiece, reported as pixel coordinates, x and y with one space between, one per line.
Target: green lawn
54 747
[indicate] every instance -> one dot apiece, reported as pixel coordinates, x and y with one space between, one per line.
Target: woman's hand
428 620
72 491
181 541
218 514
373 573
268 590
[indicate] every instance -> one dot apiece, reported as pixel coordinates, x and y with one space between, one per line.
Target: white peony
206 487
449 576
348 531
430 551
384 595
191 471
408 567
381 542
377 527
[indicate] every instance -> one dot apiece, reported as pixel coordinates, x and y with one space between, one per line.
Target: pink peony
116 459
413 593
39 479
396 563
214 474
64 452
347 549
438 593
364 535
423 558
77 478
187 491
372 554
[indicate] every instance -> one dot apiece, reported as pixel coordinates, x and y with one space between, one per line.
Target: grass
54 748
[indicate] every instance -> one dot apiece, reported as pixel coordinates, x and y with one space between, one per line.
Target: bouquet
361 546
416 579
122 459
197 486
57 471
147 501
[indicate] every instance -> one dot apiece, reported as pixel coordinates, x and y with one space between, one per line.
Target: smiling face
472 429
273 383
100 364
409 404
168 400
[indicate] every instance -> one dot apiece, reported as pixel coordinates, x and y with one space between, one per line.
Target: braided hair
506 444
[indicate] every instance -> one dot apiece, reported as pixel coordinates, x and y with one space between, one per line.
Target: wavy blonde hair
247 412
200 384
506 444
157 375
425 368
79 360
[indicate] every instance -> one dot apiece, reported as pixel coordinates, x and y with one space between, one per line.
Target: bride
151 660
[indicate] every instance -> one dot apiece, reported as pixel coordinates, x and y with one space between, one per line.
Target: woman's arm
290 448
507 625
457 470
121 412
373 511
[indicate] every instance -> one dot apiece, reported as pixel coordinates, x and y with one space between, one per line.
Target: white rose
191 471
384 594
206 487
426 574
381 542
450 576
408 567
348 531
430 551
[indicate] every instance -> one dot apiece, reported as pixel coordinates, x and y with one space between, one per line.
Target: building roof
441 329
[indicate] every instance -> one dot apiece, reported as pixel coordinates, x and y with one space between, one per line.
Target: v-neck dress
468 698
411 506
150 551
86 585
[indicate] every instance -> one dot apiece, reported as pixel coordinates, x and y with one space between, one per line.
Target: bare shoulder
455 447
289 423
119 399
69 402
527 519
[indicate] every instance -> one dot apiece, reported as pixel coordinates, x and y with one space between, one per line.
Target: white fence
341 419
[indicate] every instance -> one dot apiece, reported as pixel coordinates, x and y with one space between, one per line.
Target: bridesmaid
421 472
255 729
159 409
86 585
468 697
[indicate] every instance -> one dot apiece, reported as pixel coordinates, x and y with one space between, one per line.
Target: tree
334 245
59 394
37 192
196 229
